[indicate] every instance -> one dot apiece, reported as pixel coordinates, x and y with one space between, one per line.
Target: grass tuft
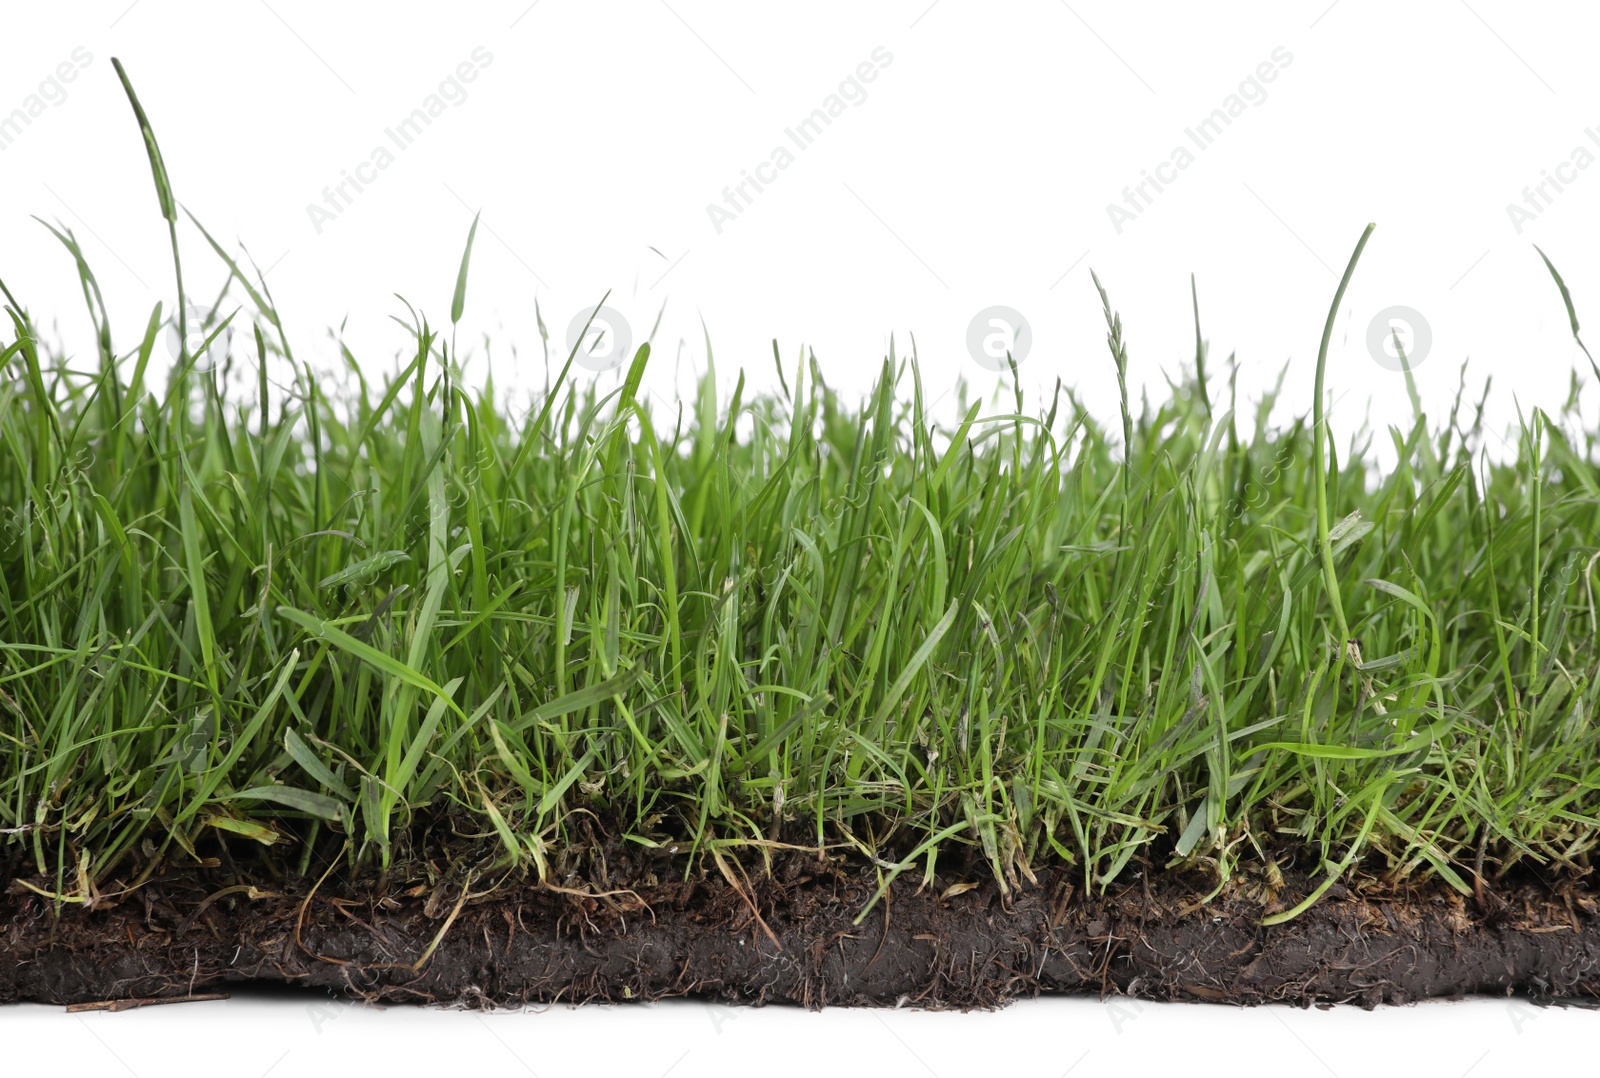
365 616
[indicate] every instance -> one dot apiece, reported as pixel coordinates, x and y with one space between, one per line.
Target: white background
288 1035
977 170
284 1036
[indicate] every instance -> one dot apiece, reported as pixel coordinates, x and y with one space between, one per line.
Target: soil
788 937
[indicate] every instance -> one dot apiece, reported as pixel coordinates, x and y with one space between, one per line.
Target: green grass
368 617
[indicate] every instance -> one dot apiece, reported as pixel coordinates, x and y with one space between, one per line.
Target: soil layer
789 937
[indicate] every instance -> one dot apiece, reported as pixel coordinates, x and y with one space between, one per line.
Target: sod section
406 633
791 937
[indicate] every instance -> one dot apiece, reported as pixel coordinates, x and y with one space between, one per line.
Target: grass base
790 937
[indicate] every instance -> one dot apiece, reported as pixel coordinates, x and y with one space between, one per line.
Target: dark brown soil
788 938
